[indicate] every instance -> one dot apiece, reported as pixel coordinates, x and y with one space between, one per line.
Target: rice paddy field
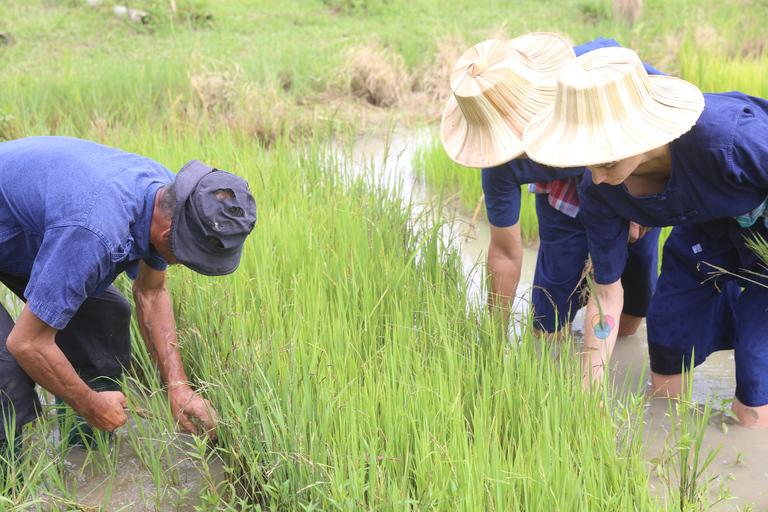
350 365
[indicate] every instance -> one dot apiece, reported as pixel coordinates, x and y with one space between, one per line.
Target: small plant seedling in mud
738 461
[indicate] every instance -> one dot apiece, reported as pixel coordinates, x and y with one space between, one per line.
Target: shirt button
662 198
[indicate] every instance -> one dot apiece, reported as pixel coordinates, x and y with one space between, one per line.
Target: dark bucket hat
215 212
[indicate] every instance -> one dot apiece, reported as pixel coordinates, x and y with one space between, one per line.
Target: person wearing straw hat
529 64
74 216
661 153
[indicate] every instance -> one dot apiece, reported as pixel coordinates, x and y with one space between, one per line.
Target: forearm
36 352
505 261
601 328
154 312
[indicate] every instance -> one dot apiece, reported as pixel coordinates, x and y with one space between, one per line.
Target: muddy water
742 462
168 475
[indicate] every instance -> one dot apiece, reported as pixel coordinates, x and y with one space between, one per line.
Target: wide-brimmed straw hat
497 89
608 108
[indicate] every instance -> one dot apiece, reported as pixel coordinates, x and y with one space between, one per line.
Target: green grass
351 370
349 366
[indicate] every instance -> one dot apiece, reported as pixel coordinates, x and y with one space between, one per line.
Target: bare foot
752 417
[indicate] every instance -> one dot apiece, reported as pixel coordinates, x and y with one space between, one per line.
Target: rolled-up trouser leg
751 345
559 265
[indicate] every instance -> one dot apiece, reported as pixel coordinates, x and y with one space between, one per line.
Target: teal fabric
748 219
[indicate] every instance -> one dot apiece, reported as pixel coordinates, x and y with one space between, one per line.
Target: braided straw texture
497 89
607 108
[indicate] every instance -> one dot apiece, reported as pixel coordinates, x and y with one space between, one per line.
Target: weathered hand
636 231
188 406
105 410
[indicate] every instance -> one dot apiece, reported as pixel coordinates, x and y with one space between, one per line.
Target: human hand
105 410
194 413
636 231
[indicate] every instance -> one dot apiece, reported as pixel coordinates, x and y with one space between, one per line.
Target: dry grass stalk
377 75
227 98
628 10
432 82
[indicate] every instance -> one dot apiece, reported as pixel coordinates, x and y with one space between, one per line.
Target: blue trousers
557 283
695 313
96 341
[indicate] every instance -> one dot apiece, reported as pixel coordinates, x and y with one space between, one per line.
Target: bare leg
753 417
667 386
628 324
552 336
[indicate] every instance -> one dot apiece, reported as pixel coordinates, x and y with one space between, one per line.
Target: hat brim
477 146
551 140
481 146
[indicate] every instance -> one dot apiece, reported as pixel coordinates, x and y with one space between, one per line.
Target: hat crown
608 108
607 85
224 207
477 67
215 212
497 89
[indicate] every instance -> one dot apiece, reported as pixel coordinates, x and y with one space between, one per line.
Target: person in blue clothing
562 252
563 248
74 215
660 153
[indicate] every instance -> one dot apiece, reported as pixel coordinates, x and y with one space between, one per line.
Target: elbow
17 346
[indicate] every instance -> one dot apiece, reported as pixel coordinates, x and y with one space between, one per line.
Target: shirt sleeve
502 196
70 265
749 159
501 186
607 236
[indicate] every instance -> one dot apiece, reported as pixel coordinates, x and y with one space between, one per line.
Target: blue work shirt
501 184
719 171
74 215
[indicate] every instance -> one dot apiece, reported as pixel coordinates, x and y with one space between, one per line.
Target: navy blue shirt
719 171
501 184
74 215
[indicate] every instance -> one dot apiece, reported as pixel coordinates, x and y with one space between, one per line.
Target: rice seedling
682 465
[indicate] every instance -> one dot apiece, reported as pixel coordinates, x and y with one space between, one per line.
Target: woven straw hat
497 89
607 109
